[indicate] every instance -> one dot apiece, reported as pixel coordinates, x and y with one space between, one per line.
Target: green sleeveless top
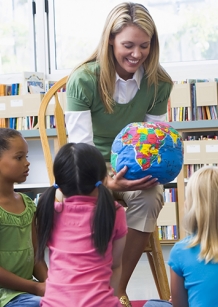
16 249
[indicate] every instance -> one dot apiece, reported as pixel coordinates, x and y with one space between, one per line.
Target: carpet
138 303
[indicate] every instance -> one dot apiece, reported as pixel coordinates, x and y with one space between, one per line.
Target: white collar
137 76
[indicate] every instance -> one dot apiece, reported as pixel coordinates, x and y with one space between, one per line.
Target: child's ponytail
44 220
104 219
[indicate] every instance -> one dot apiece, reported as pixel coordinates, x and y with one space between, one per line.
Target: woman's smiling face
131 47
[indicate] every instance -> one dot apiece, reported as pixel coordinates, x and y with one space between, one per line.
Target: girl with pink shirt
85 233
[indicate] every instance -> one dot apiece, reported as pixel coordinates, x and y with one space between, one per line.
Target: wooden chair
153 251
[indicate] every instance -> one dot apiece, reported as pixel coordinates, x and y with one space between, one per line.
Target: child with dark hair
17 231
85 233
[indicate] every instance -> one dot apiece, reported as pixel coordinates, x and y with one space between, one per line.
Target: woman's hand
119 183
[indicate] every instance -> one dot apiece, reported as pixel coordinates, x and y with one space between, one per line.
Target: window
54 41
16 36
188 29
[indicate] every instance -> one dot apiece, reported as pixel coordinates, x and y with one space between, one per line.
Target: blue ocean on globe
147 148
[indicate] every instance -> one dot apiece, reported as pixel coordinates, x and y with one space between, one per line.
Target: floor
141 285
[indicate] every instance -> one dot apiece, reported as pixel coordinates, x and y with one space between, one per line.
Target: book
32 81
208 112
8 89
35 89
49 84
15 89
2 89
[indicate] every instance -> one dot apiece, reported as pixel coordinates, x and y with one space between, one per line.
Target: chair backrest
59 123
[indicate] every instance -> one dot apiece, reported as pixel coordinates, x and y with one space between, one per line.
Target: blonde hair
201 217
122 15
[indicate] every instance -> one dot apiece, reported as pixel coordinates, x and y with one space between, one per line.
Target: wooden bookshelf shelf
196 124
34 133
168 242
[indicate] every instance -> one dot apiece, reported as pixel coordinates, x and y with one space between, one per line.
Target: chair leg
154 273
156 261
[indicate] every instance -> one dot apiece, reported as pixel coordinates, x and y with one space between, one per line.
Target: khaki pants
143 207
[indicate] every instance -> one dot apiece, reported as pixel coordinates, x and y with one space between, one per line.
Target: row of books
21 123
167 220
31 82
10 89
206 112
170 195
26 123
168 232
200 137
189 169
193 99
185 113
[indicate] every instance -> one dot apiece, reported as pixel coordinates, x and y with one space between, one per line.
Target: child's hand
170 300
39 288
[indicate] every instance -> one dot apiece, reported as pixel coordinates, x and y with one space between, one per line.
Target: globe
148 148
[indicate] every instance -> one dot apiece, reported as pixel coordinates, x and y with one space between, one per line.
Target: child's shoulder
9 219
28 201
183 242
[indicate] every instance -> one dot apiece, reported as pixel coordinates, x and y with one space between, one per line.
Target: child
194 260
85 233
17 232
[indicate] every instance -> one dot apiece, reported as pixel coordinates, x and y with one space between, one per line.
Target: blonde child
194 260
17 231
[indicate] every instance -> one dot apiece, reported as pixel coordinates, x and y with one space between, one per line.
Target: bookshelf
192 110
202 152
194 99
38 177
167 221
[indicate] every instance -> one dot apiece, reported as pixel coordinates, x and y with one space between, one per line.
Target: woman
120 83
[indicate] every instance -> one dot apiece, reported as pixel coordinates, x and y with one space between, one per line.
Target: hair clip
55 185
98 183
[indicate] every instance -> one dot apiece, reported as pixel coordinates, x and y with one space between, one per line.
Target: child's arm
11 281
40 267
178 291
118 247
